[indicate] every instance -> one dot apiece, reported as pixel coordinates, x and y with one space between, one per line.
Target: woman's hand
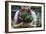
18 25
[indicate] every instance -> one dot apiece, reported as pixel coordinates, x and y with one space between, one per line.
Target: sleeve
16 17
34 16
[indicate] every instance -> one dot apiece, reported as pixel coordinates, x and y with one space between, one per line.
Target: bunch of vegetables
26 17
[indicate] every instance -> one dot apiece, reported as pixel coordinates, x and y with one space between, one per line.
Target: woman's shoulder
33 12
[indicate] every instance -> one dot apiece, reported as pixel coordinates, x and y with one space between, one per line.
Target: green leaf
26 17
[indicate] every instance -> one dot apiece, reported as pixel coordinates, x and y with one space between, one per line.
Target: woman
17 18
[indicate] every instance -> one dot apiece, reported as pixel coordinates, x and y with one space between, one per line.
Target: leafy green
26 17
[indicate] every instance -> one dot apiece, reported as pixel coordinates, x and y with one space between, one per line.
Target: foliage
26 17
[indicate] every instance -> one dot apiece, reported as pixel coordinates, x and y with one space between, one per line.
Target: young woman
18 21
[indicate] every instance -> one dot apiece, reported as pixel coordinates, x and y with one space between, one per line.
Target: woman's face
22 7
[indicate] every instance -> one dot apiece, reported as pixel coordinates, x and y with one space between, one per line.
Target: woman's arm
18 25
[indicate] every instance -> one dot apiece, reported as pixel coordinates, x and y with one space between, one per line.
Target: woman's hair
27 8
